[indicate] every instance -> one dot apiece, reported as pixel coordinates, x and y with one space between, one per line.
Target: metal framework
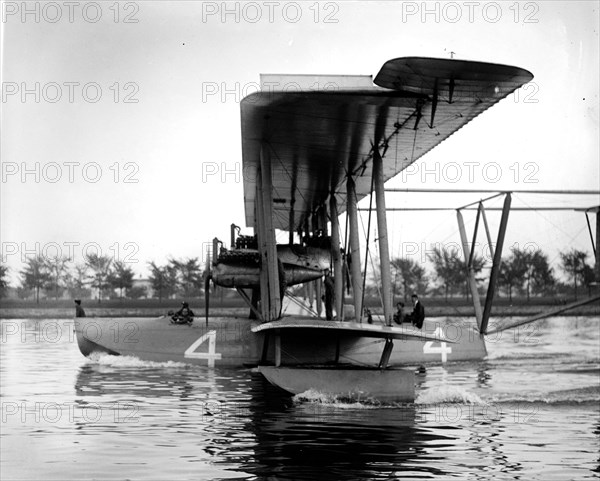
483 314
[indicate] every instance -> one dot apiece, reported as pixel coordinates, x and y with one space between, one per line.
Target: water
529 411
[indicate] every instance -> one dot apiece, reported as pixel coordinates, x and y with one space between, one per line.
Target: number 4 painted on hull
444 349
211 355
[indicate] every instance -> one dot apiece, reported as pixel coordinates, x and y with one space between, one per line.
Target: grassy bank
435 307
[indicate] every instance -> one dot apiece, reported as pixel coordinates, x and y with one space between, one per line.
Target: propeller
207 279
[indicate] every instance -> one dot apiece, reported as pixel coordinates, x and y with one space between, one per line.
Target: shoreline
434 311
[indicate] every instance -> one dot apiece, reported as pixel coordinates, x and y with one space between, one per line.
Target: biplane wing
314 140
407 333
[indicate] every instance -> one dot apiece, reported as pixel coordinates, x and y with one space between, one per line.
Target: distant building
145 284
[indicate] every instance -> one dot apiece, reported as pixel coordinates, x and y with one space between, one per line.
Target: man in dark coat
79 312
418 314
329 294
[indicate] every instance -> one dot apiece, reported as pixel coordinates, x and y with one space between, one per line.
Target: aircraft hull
390 385
229 342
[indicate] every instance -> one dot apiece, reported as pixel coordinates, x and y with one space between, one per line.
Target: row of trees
183 277
103 277
522 272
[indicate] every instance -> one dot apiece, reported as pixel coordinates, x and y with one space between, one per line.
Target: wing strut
468 251
356 276
496 265
384 252
269 273
247 300
469 261
337 261
434 103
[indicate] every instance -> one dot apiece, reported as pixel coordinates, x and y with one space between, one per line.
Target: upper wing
315 139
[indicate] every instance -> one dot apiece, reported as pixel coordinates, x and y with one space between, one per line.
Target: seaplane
310 155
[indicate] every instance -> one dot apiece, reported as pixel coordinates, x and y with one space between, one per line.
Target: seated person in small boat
184 315
399 315
417 316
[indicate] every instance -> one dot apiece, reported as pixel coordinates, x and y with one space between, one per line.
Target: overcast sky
117 111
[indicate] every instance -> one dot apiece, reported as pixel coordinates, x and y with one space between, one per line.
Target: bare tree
4 270
451 269
57 271
410 275
100 266
574 266
76 280
121 277
189 274
513 270
35 276
163 279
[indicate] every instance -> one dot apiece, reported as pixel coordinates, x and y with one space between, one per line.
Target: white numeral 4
211 355
443 349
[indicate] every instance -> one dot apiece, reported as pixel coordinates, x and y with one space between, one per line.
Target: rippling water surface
529 411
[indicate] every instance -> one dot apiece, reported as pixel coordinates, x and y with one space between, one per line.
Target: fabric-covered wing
315 139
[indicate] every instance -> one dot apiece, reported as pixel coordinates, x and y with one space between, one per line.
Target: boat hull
229 342
390 385
224 342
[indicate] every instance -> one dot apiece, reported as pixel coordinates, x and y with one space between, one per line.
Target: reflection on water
514 415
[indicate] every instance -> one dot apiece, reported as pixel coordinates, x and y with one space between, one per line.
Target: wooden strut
356 276
315 226
277 350
496 265
270 297
468 253
475 229
265 349
247 300
259 229
384 252
367 243
337 257
596 245
385 355
597 253
487 230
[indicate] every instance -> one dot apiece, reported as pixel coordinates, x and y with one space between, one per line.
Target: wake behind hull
229 342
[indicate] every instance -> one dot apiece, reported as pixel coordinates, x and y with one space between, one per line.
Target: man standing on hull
329 294
417 316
